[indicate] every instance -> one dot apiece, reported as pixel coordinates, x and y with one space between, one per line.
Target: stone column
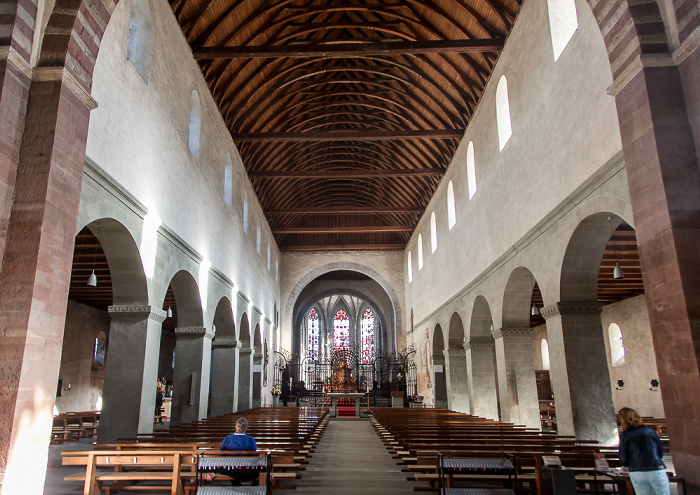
223 380
661 161
131 372
481 377
457 383
245 378
579 371
38 238
516 376
257 379
191 374
440 382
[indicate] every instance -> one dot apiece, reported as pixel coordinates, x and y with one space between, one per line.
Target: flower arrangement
276 390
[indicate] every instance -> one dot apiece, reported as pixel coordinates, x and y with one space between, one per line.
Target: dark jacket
641 449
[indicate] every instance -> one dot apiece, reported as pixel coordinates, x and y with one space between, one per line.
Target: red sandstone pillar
35 275
664 182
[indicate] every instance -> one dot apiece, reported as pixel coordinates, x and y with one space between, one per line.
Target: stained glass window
341 331
367 328
313 328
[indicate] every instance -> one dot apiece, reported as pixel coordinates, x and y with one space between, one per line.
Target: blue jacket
641 449
238 441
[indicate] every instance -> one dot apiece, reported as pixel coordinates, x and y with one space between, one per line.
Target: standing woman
641 451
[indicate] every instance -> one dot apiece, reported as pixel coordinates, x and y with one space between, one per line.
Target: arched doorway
456 367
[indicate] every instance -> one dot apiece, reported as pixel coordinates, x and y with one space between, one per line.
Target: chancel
465 227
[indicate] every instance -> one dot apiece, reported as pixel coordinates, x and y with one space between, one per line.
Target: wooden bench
127 470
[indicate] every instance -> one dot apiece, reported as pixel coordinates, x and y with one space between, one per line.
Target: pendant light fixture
169 314
533 311
618 274
92 279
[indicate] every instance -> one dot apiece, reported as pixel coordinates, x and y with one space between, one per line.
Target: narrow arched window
268 257
257 240
563 23
451 214
312 328
410 268
277 270
617 349
367 336
195 123
471 170
138 50
98 357
245 212
503 112
341 330
544 350
433 233
228 180
420 251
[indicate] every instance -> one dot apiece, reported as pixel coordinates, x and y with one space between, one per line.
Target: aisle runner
349 457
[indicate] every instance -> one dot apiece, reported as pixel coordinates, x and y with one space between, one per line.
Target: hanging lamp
618 274
92 279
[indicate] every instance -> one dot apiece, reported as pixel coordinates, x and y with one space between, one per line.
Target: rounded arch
187 298
517 298
584 252
330 267
244 331
439 368
456 334
481 323
257 339
129 284
223 319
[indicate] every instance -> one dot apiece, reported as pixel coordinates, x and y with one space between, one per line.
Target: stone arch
187 299
456 366
330 267
517 298
245 365
481 323
223 319
223 367
579 373
257 366
438 371
584 251
129 285
515 360
481 372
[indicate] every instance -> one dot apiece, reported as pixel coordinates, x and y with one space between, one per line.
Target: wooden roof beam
343 230
347 135
344 174
344 210
345 247
349 49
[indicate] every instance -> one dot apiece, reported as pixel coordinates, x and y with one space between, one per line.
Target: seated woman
238 441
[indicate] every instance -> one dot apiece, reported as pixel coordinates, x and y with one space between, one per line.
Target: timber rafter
346 113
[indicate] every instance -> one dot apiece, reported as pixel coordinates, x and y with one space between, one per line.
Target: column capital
136 311
63 74
454 353
245 350
512 332
225 343
194 332
479 343
572 308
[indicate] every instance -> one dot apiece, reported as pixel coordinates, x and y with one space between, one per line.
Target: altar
334 396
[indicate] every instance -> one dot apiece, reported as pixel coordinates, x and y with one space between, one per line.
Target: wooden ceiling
346 113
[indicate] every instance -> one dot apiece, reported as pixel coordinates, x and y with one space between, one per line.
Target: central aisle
349 457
